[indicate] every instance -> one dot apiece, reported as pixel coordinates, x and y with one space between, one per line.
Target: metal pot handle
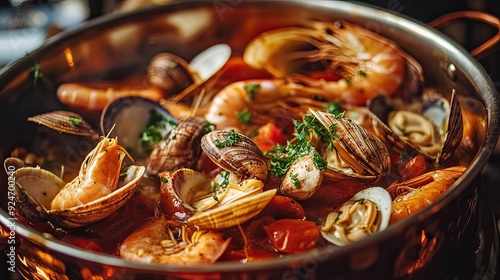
488 47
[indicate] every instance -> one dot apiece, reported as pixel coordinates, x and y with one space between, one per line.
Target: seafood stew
233 182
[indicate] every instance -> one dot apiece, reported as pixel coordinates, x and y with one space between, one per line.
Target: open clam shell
235 153
101 208
188 195
204 68
358 153
129 119
432 126
36 188
366 213
234 213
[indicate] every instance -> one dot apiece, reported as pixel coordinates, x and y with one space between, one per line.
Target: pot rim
474 70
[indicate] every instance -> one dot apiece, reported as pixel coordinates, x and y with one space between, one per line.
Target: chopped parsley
295 180
151 135
335 109
36 73
244 116
251 90
347 81
362 73
281 156
209 127
75 121
231 138
404 156
155 129
164 180
217 187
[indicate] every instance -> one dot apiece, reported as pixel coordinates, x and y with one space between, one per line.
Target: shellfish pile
339 137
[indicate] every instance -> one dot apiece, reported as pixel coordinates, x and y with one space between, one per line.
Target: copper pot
417 246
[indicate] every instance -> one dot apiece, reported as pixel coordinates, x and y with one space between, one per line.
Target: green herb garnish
231 138
362 73
347 81
295 180
156 124
404 156
282 156
335 109
36 73
151 135
251 90
164 180
208 127
217 187
75 121
244 116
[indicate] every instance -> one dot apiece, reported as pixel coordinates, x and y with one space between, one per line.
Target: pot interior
120 45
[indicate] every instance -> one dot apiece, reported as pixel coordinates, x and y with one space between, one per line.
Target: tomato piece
284 207
268 136
292 236
414 167
83 243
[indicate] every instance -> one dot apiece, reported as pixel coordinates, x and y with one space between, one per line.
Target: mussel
138 122
432 125
366 213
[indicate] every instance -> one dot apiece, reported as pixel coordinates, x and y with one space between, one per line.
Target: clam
66 122
138 122
366 213
179 148
432 126
192 196
36 188
236 153
357 154
302 179
178 78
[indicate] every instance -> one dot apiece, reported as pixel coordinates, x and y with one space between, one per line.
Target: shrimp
155 243
414 194
368 63
99 175
246 105
96 98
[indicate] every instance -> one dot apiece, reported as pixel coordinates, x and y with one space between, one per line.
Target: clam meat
432 126
366 213
192 196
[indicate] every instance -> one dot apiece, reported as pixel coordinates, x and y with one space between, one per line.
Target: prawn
416 193
98 176
247 104
155 243
368 63
97 96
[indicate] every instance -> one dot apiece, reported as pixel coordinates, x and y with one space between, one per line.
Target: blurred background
25 25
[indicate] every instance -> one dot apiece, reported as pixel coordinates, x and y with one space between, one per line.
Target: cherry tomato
284 207
292 236
414 167
268 136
